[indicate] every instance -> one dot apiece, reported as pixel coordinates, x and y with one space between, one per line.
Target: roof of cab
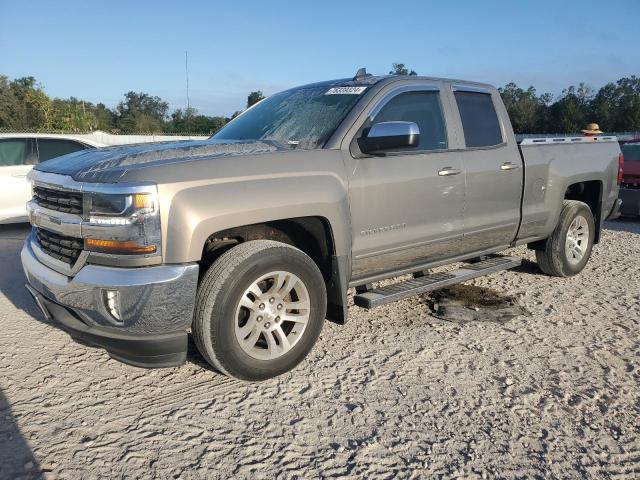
370 80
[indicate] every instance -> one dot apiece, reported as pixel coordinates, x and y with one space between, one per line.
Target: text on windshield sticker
345 90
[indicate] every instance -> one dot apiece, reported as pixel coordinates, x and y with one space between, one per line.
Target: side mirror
389 135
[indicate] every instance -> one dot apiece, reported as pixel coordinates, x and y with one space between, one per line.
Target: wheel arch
313 235
590 193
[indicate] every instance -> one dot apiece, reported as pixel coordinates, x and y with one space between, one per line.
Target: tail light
620 163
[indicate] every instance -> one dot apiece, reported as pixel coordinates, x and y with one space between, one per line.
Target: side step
427 283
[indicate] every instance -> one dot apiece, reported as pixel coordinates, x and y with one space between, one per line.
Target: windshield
631 152
300 118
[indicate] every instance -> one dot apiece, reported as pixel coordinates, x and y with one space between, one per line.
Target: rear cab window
479 119
49 148
631 152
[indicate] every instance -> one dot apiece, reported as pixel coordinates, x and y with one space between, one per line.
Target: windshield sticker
345 90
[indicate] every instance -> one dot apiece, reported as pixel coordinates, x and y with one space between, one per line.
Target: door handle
19 175
509 166
448 171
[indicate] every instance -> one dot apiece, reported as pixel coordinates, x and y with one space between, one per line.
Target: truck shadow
16 458
12 278
529 267
624 224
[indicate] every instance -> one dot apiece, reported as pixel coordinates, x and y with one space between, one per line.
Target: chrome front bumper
133 308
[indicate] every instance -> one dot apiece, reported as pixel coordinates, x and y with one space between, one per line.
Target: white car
19 152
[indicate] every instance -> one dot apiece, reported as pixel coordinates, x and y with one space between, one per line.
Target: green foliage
523 107
400 69
25 106
615 107
141 112
189 121
254 97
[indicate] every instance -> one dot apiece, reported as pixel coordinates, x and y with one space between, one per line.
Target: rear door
17 157
406 206
494 172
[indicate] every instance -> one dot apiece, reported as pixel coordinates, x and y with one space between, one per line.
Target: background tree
141 112
104 118
627 104
10 107
254 97
24 106
197 124
400 69
523 107
571 112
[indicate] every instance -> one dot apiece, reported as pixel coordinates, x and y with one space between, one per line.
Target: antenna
361 73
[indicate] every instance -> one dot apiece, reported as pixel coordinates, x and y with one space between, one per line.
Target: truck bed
554 166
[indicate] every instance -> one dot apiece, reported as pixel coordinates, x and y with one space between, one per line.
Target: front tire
259 310
567 250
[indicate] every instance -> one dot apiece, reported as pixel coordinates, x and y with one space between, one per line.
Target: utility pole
186 73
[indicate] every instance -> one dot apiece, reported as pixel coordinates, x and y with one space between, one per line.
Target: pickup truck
250 239
630 186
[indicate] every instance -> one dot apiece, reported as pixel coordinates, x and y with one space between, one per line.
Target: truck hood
108 165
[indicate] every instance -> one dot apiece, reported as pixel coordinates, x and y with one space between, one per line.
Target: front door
406 206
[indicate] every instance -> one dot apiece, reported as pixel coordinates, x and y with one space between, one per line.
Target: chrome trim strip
67 224
566 140
394 92
469 89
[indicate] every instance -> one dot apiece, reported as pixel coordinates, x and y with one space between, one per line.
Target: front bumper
153 307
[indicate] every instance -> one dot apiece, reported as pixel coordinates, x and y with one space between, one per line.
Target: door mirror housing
384 136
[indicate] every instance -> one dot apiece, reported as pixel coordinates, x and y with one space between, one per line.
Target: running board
427 283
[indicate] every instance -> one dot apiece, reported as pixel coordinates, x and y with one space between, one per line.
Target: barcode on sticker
345 90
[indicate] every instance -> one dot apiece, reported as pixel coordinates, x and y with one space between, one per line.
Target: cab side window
17 151
49 148
479 119
13 152
422 108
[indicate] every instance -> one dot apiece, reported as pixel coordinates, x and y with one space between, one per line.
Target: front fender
198 211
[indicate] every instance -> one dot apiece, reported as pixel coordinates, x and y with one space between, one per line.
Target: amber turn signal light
117 247
143 200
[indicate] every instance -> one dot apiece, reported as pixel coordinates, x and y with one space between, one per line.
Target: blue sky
100 50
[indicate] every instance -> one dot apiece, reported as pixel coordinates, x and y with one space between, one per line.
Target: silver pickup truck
250 239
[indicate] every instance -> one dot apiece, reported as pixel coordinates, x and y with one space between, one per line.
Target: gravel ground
394 393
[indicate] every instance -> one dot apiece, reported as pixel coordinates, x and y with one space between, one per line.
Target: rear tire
245 324
567 250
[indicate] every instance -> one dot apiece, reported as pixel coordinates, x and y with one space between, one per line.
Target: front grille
60 247
59 200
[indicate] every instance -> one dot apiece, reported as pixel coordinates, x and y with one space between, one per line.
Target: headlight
119 205
121 221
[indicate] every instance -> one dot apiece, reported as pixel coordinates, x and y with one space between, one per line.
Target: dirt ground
396 393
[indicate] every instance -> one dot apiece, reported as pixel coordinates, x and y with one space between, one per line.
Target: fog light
112 302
